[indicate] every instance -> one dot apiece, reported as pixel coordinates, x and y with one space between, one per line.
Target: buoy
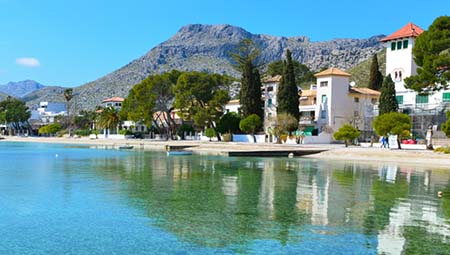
440 194
291 155
56 155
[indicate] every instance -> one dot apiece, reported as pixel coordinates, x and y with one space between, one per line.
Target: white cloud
28 62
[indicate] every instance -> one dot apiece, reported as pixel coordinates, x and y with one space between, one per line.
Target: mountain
207 47
20 88
3 96
360 73
47 93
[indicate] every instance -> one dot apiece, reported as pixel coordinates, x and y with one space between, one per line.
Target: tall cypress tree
287 96
250 93
388 102
375 76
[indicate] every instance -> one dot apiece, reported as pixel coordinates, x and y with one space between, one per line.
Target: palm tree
109 119
68 94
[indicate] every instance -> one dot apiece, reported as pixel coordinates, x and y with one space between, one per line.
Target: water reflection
234 202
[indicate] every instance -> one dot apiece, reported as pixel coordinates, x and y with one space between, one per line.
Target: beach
415 155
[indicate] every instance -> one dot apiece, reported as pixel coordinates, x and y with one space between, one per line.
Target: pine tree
375 76
287 96
250 93
388 102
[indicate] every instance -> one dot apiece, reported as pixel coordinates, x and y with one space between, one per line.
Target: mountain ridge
20 88
198 47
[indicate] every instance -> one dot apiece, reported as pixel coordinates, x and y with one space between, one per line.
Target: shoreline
361 154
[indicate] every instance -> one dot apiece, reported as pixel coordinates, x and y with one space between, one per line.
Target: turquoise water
60 199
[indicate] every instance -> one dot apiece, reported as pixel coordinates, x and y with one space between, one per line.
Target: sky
68 43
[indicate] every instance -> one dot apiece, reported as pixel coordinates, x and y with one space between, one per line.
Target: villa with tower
425 109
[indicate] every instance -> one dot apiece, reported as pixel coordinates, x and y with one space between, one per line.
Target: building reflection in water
225 201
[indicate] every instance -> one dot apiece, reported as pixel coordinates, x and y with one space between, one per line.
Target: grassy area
360 72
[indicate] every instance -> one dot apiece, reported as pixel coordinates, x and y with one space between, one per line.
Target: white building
47 112
425 110
339 103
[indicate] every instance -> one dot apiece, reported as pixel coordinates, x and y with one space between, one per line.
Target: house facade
425 109
333 102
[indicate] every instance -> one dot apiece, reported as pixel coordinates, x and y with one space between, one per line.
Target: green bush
83 132
125 132
49 129
184 129
210 132
445 150
346 133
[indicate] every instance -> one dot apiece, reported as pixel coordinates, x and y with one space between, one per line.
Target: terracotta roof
409 30
276 78
113 99
308 93
364 91
332 72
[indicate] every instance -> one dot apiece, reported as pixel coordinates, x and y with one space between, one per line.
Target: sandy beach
364 153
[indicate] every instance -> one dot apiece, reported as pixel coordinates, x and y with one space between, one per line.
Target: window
356 114
399 45
373 100
393 46
324 84
269 102
356 99
446 97
405 44
422 99
324 99
323 114
399 99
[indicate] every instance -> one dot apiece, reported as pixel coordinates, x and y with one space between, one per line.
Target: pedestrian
386 141
381 141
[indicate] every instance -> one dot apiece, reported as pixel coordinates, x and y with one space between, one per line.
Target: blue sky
69 43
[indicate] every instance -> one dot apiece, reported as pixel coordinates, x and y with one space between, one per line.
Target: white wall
249 138
338 105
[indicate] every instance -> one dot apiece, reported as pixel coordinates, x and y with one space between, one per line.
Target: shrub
346 133
210 132
445 150
125 132
83 132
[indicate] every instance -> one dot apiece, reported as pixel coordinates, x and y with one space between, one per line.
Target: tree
153 95
446 126
347 133
286 123
375 76
85 119
287 96
50 129
432 55
210 133
251 124
68 95
393 123
201 97
250 93
15 113
388 102
109 119
303 75
229 123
